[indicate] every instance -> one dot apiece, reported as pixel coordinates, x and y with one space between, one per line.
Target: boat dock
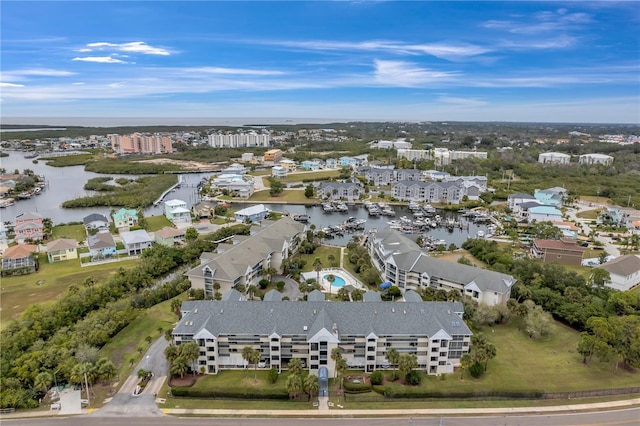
164 194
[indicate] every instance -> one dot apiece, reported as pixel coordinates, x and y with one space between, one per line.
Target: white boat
480 234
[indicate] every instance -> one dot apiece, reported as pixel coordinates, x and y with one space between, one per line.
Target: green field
322 253
156 223
323 174
51 280
295 196
76 232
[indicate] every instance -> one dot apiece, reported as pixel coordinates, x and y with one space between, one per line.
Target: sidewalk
338 412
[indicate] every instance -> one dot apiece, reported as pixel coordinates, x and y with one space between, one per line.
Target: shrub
280 286
376 378
476 369
273 375
356 387
414 378
263 283
232 394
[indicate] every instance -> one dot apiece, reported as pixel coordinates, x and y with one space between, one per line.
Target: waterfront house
340 191
28 226
331 163
310 330
170 237
402 262
242 259
289 165
624 272
236 186
551 196
20 256
544 214
349 162
177 212
204 209
515 200
279 172
96 221
235 169
101 245
564 251
62 249
569 229
311 165
124 219
136 241
252 214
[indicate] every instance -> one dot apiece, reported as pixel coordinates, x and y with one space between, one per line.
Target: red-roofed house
18 257
564 251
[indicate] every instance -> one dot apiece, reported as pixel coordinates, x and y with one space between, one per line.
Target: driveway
290 287
609 247
124 404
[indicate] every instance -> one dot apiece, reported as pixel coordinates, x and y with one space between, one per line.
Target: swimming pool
339 281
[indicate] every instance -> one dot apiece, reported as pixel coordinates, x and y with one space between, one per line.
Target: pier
164 194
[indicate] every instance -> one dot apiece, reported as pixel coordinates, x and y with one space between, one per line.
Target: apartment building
242 259
272 156
240 140
138 143
403 263
309 330
431 192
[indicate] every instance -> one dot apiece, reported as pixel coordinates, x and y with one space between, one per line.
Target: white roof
252 210
180 210
175 202
137 236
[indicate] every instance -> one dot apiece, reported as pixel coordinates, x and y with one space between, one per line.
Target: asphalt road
605 418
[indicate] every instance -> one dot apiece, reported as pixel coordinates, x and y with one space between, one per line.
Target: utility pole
86 382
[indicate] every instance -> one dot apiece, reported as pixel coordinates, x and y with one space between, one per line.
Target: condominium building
273 156
138 143
431 192
240 140
242 259
402 262
596 159
309 330
554 157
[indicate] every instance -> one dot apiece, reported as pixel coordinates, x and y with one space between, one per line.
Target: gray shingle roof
100 240
234 262
95 217
623 265
353 318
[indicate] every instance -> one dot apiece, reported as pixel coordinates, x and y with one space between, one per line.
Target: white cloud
24 74
132 47
449 51
100 59
232 71
406 74
78 83
461 101
542 22
11 85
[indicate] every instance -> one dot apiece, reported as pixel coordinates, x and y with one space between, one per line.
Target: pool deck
346 276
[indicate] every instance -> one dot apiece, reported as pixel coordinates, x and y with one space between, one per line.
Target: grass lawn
592 199
295 196
454 256
48 284
77 232
298 177
156 223
589 214
322 253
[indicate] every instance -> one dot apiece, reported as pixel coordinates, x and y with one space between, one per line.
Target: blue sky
372 60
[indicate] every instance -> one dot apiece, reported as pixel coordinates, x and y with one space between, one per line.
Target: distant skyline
328 61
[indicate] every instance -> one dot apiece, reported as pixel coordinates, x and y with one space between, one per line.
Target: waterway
66 183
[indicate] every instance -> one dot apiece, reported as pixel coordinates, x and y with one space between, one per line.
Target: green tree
294 384
311 385
254 358
466 361
42 381
343 294
308 191
191 234
106 369
295 366
407 363
190 351
599 277
393 356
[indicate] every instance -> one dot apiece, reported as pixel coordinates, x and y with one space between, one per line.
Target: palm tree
176 305
393 357
106 369
179 366
247 352
406 363
335 356
311 385
295 366
466 361
254 358
294 385
317 266
251 291
42 381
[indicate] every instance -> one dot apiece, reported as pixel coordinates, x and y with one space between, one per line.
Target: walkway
336 411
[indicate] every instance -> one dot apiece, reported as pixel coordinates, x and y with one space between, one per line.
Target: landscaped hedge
190 392
420 393
356 387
